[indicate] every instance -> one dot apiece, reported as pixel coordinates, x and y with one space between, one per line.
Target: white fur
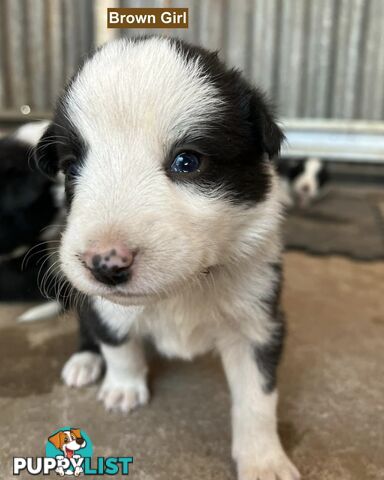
31 132
129 118
305 187
119 318
253 417
41 312
124 387
82 368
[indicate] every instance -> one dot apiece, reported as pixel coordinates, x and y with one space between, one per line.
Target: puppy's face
166 157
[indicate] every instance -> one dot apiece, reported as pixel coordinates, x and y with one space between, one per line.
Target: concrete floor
331 388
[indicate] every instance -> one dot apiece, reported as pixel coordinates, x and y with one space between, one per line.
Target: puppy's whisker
51 275
42 282
41 244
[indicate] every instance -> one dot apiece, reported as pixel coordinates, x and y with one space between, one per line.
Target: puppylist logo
68 452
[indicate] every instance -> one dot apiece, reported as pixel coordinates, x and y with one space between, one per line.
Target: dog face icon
68 441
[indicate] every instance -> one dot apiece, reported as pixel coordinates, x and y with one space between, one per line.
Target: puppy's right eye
186 162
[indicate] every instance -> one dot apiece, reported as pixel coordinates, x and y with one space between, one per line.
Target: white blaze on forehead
141 87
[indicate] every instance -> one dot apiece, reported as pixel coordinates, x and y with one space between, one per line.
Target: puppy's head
166 155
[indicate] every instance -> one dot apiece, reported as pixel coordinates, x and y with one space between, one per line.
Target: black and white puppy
173 230
24 192
303 182
28 209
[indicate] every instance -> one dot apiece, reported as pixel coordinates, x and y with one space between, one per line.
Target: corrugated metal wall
316 58
41 42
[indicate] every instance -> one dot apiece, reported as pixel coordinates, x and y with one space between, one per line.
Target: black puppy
27 208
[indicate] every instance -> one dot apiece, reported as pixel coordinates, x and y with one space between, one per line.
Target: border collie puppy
27 207
24 192
173 228
304 181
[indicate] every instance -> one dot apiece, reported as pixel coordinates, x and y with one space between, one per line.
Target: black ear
269 134
46 154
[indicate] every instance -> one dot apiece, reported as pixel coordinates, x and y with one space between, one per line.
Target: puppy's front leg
124 386
256 445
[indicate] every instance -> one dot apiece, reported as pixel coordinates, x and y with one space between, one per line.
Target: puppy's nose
79 441
109 266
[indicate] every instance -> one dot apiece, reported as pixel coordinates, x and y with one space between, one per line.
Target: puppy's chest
180 330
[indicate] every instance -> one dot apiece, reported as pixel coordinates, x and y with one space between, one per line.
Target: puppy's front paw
123 395
82 368
274 468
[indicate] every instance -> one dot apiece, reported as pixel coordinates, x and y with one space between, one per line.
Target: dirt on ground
331 388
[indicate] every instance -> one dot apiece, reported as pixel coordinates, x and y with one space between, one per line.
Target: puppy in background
173 229
303 182
28 208
26 204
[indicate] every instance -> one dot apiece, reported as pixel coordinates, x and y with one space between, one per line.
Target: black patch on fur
26 199
268 355
59 148
273 302
323 176
93 330
236 143
26 208
87 340
296 170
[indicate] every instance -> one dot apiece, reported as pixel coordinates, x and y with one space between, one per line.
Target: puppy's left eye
186 162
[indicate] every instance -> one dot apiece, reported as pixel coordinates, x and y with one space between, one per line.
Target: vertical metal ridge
35 61
15 58
314 58
2 56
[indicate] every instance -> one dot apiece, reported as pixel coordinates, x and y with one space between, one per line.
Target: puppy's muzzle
110 266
